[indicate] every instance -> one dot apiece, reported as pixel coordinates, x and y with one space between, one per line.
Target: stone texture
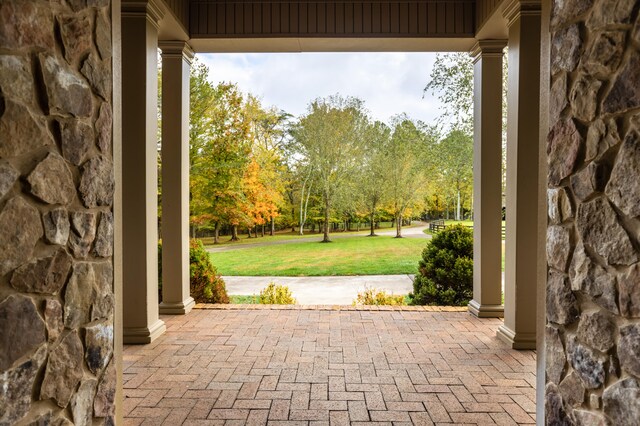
8 176
20 229
554 410
588 364
67 92
555 356
16 386
589 418
562 306
56 226
605 54
79 295
625 92
598 225
623 189
563 146
629 349
51 181
26 24
629 286
104 402
76 34
83 225
103 35
602 135
46 275
99 75
77 140
558 98
589 181
566 10
104 239
21 329
584 97
99 343
53 319
608 12
593 280
16 79
614 367
621 402
558 247
103 129
572 390
20 131
566 46
598 330
559 206
82 403
97 184
104 304
64 370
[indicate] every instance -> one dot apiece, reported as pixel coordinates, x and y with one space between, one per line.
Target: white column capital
515 9
139 8
176 49
488 48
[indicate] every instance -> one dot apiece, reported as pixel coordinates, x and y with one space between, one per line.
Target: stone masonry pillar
523 104
176 64
139 171
487 177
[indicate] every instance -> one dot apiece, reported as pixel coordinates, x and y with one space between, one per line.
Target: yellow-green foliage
371 296
274 294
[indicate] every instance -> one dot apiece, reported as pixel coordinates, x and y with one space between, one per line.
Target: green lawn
244 299
382 255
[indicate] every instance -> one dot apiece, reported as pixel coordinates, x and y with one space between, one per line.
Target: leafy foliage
372 296
274 294
445 274
207 286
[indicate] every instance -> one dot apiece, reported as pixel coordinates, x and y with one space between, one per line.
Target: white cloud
389 83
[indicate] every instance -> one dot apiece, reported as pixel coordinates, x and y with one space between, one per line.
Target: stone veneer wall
56 218
593 287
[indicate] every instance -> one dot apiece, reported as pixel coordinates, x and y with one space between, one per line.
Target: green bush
207 286
445 272
274 294
371 296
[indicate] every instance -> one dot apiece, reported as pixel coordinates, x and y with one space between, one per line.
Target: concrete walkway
323 290
313 367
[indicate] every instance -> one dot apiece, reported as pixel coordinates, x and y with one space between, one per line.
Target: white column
523 113
487 178
176 64
139 171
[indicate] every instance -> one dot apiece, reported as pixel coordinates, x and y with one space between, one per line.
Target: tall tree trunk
216 233
399 226
326 239
249 231
458 207
234 233
373 225
262 230
273 227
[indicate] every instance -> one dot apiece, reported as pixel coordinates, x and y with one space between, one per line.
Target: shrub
206 284
371 296
274 294
445 272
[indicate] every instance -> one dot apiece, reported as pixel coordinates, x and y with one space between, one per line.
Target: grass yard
382 255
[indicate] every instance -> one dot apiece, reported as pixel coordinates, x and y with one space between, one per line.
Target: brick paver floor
332 366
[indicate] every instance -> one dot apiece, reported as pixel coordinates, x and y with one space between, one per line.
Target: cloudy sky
389 83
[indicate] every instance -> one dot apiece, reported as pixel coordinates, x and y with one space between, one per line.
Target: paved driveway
321 367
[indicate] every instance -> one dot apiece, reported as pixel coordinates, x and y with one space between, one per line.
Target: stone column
487 178
523 104
139 171
176 63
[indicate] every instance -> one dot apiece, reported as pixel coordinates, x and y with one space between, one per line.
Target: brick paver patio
328 366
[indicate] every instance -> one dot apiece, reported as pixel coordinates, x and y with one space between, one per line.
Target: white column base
178 308
486 311
143 335
516 340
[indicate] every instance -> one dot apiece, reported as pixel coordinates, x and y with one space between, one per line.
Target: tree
330 139
455 163
375 170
